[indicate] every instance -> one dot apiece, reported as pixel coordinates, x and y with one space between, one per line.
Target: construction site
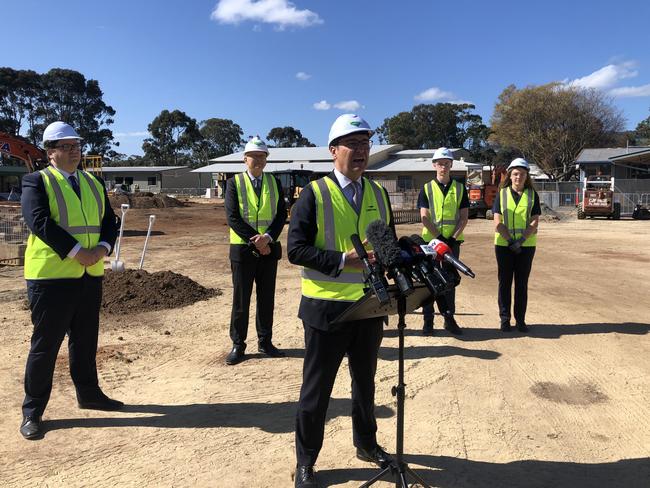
566 405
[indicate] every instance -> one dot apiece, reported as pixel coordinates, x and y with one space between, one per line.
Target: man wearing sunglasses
72 229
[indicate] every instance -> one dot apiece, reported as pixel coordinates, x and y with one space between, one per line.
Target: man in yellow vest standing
72 229
327 213
443 205
256 213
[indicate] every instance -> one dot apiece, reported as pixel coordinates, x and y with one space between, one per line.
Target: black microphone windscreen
384 243
418 239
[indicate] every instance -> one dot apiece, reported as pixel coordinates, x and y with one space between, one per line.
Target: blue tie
353 195
75 185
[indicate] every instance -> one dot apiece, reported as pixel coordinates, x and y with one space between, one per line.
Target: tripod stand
368 306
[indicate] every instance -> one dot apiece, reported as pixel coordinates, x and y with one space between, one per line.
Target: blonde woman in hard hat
516 217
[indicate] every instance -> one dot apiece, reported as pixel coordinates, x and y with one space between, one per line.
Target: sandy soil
565 406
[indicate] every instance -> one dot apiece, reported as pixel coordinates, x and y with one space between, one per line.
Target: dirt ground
565 406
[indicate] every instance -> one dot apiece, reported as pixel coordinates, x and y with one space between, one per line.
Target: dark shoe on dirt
236 356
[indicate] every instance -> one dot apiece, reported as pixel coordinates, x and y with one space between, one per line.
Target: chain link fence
13 235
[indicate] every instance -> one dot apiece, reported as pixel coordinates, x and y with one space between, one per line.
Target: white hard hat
256 144
519 163
442 153
58 131
348 124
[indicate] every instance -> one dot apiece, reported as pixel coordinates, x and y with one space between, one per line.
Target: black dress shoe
236 356
100 402
452 326
375 455
270 350
32 428
522 327
305 477
505 326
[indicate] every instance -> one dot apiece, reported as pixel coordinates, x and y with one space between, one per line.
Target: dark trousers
59 307
324 351
446 303
262 272
517 266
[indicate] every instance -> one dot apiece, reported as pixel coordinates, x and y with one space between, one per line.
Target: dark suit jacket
301 251
239 252
36 212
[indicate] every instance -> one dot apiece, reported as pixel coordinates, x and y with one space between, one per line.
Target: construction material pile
548 214
136 290
144 200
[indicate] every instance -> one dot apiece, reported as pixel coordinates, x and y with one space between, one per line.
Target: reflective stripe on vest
444 209
336 222
516 216
80 216
258 212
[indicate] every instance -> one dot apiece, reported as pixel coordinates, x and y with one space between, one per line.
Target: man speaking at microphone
327 213
443 205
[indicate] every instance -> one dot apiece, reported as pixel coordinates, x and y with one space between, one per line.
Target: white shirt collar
252 177
344 180
65 173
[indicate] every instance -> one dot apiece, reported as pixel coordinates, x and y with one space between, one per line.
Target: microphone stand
369 306
398 468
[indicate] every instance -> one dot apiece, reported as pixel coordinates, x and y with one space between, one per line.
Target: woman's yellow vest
260 212
337 221
81 218
444 209
516 216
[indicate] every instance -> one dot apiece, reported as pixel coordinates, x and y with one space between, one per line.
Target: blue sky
268 63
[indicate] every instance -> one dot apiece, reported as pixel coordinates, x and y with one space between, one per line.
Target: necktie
354 195
257 184
75 185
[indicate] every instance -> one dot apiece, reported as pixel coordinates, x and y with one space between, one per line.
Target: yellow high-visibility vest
258 212
516 216
337 221
80 217
444 209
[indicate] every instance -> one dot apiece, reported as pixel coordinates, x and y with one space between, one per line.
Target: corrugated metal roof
638 154
140 169
286 154
269 168
413 165
604 154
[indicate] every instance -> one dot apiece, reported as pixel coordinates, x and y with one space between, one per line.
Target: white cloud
605 77
281 13
322 105
348 105
432 94
631 91
131 134
302 76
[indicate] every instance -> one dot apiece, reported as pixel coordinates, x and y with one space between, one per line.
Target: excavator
33 158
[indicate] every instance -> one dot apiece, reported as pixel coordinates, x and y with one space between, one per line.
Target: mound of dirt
144 200
549 215
134 291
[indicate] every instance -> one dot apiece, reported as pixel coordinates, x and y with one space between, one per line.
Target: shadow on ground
448 472
275 418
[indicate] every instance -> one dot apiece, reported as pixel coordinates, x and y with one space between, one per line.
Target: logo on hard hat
257 142
356 124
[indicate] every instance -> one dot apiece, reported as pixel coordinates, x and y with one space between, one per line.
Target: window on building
404 183
128 180
151 181
119 180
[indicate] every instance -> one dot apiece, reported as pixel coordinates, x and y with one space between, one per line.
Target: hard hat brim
370 133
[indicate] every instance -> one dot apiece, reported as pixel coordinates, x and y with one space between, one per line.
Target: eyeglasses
354 145
69 147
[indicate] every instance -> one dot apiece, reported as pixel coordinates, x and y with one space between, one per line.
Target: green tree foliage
550 124
642 133
31 101
429 126
218 138
173 134
287 137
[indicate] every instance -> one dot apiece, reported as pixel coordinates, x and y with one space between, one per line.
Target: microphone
443 253
389 254
423 265
374 275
